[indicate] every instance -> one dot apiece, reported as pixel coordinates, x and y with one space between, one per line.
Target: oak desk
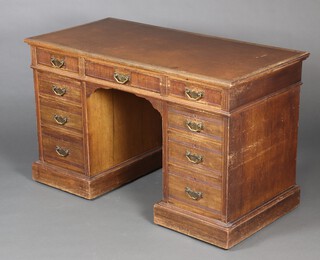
118 99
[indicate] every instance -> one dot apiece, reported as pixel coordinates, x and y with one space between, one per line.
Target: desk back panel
120 126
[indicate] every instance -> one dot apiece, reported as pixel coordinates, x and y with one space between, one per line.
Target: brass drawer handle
194 126
56 62
194 158
59 91
192 194
121 78
194 95
60 120
63 152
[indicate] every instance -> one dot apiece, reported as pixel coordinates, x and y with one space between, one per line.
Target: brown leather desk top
216 59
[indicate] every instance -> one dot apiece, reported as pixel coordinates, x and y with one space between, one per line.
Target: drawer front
124 77
100 71
202 176
195 158
57 60
62 150
194 195
194 141
195 93
61 88
61 115
146 82
196 123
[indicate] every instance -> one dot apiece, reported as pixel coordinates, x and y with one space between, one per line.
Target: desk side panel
262 151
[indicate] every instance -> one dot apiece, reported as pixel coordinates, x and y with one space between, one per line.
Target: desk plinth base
225 235
92 187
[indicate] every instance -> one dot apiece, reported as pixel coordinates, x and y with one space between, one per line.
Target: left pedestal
93 139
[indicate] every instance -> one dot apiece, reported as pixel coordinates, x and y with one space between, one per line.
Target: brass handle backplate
60 120
59 91
192 194
194 158
194 95
194 126
121 78
63 152
57 63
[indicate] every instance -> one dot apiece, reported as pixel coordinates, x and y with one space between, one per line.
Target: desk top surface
148 46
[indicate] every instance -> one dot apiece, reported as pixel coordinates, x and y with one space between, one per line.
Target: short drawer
197 123
150 82
62 150
194 195
61 88
194 157
201 176
57 60
195 141
195 92
61 115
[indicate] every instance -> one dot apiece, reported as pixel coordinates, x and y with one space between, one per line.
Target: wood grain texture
218 233
50 108
269 83
206 177
211 160
130 124
208 205
90 188
168 50
72 87
70 63
212 125
151 83
125 172
210 96
100 116
51 139
241 120
195 140
98 70
37 103
263 147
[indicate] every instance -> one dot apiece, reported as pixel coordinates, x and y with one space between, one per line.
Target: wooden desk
116 99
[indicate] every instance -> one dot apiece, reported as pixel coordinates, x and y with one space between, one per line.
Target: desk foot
225 235
92 187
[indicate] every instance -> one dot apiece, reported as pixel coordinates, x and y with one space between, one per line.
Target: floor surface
40 222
